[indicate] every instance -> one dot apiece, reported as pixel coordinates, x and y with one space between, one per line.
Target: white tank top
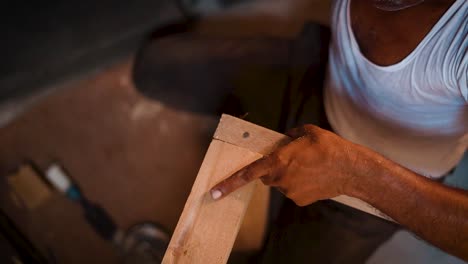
414 112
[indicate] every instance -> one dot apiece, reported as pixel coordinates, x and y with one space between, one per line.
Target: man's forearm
436 213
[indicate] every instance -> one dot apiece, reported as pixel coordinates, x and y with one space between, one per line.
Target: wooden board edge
247 135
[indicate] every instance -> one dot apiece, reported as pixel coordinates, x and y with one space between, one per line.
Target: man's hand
316 165
319 165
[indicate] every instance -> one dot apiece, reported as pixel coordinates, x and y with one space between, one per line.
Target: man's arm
435 212
321 165
274 18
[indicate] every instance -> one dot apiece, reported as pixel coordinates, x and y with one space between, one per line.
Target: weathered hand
319 165
316 165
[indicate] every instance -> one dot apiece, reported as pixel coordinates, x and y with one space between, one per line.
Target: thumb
255 170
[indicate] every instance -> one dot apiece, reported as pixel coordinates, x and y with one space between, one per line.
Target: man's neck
386 38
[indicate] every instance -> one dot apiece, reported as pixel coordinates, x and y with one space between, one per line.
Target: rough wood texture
206 230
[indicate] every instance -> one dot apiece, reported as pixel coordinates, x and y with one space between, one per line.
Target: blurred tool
94 214
142 243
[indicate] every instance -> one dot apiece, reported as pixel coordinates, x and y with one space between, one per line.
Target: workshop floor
132 155
121 148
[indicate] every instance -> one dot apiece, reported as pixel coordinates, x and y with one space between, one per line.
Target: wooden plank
261 140
360 205
207 229
28 185
244 134
252 231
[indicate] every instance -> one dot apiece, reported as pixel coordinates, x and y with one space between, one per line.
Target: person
396 97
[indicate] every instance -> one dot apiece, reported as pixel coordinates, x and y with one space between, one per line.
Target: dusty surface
135 157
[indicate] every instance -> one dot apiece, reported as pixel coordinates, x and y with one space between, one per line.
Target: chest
386 38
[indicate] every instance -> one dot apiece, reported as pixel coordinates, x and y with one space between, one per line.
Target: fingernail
216 194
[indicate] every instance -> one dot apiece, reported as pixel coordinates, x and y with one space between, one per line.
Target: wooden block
30 188
207 229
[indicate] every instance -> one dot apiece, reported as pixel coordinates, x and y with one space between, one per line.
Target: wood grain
207 229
